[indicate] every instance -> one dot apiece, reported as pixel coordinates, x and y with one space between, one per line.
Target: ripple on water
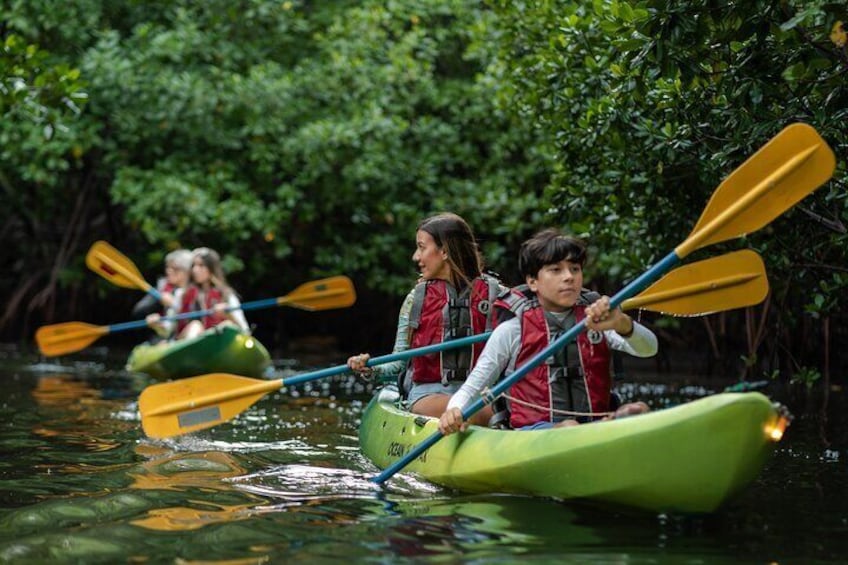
128 413
200 443
297 484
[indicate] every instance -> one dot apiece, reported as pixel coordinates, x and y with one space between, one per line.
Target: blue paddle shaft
632 289
255 305
399 356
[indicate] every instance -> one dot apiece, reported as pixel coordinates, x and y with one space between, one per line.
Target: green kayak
222 349
690 458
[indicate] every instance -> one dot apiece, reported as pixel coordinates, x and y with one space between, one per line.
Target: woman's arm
389 371
237 316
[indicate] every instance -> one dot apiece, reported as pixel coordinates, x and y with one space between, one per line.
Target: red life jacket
191 302
440 314
535 388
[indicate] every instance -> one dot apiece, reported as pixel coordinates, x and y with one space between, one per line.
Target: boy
573 385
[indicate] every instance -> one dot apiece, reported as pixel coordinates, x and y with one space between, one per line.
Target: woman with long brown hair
452 299
209 291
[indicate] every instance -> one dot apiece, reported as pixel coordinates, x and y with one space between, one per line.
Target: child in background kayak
209 291
574 385
452 299
171 288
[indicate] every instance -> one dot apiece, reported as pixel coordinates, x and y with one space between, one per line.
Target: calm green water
81 483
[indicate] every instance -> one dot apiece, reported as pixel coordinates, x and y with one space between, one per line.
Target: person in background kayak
574 385
452 299
209 291
171 288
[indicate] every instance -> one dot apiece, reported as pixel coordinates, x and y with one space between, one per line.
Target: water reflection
197 474
481 526
415 518
286 481
70 406
62 390
168 471
299 483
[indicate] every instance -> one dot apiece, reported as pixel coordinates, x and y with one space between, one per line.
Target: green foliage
70 29
297 139
807 376
651 103
326 161
303 139
43 138
40 100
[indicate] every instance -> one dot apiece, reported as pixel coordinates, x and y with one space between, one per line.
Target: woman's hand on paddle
152 319
600 317
357 364
451 421
167 299
222 310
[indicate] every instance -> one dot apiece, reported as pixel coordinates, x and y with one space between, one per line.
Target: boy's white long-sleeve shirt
498 357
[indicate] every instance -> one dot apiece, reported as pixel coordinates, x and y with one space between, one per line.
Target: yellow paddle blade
67 337
188 405
114 266
324 294
734 280
789 167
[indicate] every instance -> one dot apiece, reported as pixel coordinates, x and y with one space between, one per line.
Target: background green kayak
690 458
222 349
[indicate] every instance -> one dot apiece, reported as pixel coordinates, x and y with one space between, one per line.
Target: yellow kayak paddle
324 294
730 281
117 268
786 169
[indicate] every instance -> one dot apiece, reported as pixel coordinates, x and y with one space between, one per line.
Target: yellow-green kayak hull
690 458
222 349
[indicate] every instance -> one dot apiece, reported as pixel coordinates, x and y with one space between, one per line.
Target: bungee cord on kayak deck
489 398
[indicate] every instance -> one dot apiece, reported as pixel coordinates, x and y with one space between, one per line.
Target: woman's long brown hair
212 261
454 235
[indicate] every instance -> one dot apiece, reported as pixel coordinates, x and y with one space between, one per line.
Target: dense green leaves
299 139
303 138
652 103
